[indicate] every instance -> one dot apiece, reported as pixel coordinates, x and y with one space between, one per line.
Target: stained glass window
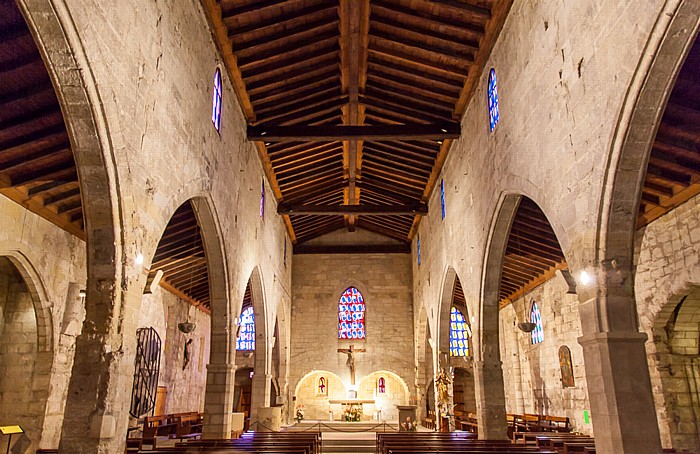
216 101
494 115
351 315
442 198
418 250
262 200
322 387
381 385
537 333
246 336
459 334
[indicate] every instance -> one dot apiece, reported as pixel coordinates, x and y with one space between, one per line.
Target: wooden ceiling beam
369 225
55 133
312 180
406 156
284 157
539 264
413 100
319 51
288 20
309 96
287 78
63 172
322 187
303 162
249 8
332 133
483 13
421 30
325 21
401 160
311 112
292 49
671 176
319 169
358 210
658 189
422 48
68 207
353 249
447 95
391 186
29 157
37 116
24 59
386 195
61 196
447 81
454 26
384 48
409 169
408 114
281 93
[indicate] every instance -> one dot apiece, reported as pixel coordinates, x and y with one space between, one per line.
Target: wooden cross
351 360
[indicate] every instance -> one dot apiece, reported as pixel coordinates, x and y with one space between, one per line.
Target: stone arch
318 407
488 374
675 364
26 392
262 379
387 404
672 38
92 388
445 303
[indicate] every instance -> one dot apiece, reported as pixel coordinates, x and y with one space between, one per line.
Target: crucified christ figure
351 360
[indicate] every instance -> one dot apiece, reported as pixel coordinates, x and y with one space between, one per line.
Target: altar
351 410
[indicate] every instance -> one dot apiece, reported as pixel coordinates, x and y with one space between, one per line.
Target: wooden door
160 400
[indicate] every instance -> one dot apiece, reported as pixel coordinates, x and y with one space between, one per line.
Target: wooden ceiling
458 299
673 173
37 169
533 254
180 255
353 104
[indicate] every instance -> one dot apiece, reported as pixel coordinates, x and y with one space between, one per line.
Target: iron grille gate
147 368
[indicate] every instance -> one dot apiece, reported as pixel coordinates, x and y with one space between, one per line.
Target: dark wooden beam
357 210
353 249
447 130
465 7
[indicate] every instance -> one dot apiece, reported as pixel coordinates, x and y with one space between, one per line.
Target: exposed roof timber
358 210
353 249
465 7
440 131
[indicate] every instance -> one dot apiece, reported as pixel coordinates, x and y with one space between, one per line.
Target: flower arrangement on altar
352 413
299 416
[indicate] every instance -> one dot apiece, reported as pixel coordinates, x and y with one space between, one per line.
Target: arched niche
396 393
315 405
26 348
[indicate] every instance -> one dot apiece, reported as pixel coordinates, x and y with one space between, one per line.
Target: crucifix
351 360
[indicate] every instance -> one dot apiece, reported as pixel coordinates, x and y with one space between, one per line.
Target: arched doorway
25 353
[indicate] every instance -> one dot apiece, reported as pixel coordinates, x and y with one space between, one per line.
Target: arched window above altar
351 315
246 333
381 385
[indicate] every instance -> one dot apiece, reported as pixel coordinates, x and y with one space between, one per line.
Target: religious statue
351 360
186 354
442 383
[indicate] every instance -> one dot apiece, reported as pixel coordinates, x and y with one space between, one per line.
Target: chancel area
311 226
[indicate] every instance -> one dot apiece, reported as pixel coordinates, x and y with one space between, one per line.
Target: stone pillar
269 419
218 401
619 389
490 400
259 394
99 393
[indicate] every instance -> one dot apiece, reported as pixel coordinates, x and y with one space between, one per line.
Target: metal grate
147 368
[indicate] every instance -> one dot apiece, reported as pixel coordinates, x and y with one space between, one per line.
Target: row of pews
249 442
180 426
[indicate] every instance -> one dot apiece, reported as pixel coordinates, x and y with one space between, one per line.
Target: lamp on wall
527 327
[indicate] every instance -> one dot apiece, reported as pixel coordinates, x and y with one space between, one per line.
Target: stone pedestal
269 419
406 411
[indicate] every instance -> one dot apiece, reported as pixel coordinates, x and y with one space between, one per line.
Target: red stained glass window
351 315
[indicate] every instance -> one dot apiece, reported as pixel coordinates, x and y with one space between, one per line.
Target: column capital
612 337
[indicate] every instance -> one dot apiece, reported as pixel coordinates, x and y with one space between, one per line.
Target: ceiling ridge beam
358 210
436 131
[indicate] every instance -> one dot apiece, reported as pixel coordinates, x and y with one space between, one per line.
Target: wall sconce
82 293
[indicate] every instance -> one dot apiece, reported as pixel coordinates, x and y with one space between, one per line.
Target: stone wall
531 373
19 404
385 283
668 274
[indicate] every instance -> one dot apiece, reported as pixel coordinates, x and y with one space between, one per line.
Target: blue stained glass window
418 250
459 334
262 200
494 114
442 197
246 334
351 315
216 101
538 333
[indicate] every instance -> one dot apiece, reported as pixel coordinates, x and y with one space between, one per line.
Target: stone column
99 393
619 389
259 394
490 400
218 401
